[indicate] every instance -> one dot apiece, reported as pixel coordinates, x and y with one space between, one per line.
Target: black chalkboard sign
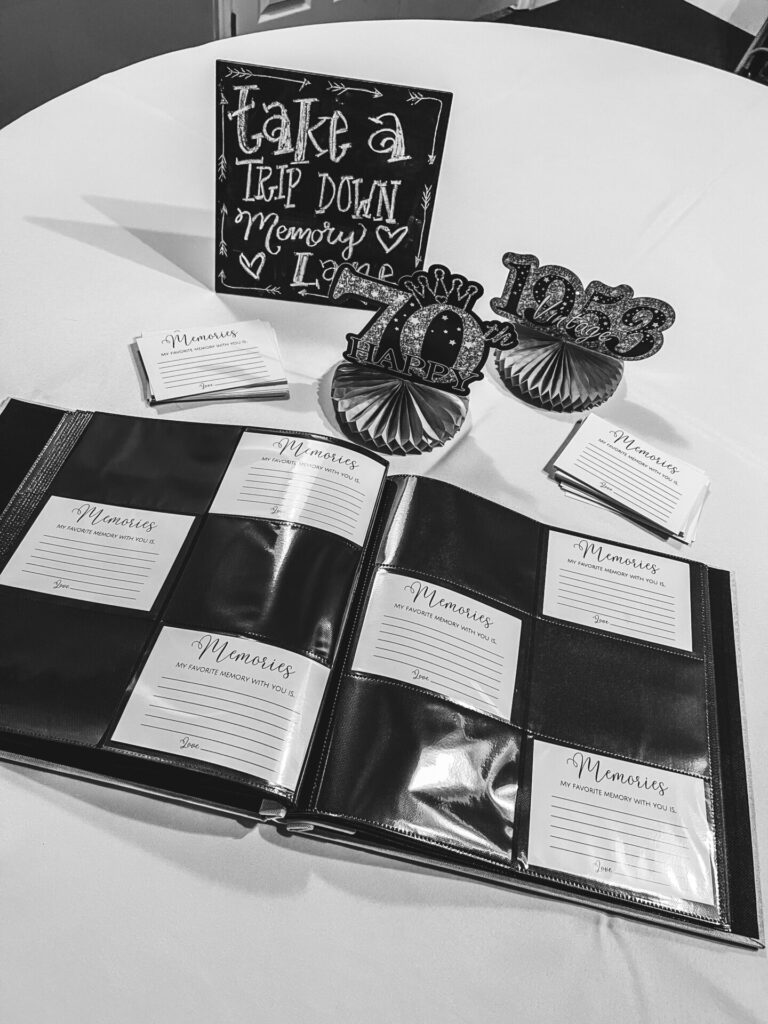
313 172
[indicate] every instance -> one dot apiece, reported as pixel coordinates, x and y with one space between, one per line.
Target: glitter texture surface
607 319
425 330
572 340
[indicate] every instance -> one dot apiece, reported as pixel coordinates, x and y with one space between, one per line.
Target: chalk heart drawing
254 265
390 238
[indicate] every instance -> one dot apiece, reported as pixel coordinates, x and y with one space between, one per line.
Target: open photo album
230 615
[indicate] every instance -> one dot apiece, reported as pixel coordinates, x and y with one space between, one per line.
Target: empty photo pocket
596 691
288 584
415 764
159 464
493 553
65 674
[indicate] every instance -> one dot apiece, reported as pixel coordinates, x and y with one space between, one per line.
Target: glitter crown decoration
438 285
425 330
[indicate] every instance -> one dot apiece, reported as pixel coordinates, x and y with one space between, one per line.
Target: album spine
25 430
35 441
744 892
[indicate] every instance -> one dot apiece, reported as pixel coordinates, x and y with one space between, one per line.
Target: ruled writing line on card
231 690
224 700
217 751
615 621
622 604
430 657
658 841
627 497
311 496
301 493
232 359
313 478
213 369
229 377
611 620
670 828
574 599
413 640
610 457
130 552
308 507
109 591
465 642
460 689
211 357
614 874
652 497
104 566
641 823
234 380
211 728
466 669
301 487
606 583
632 483
643 613
86 567
275 508
179 701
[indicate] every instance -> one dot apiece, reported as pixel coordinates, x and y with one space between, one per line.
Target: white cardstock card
198 361
620 823
229 701
300 480
109 554
434 637
657 486
618 589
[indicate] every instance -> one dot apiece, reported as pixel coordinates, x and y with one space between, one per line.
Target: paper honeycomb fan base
558 375
392 415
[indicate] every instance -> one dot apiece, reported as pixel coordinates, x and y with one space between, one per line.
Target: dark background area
48 47
671 26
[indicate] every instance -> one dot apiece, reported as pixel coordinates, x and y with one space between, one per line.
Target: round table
623 164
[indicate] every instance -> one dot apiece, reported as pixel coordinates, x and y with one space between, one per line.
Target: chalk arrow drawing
222 243
414 98
426 202
245 74
222 164
271 289
339 88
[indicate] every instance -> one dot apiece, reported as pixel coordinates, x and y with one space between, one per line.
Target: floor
50 46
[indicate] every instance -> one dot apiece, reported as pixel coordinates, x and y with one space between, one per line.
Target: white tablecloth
623 164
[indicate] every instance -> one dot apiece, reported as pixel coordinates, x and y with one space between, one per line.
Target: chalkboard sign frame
317 171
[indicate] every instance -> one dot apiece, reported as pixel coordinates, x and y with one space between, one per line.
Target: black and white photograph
382 511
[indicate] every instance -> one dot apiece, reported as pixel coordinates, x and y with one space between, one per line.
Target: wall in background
50 46
258 15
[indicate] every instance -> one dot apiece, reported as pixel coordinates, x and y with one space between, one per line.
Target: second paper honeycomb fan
557 375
